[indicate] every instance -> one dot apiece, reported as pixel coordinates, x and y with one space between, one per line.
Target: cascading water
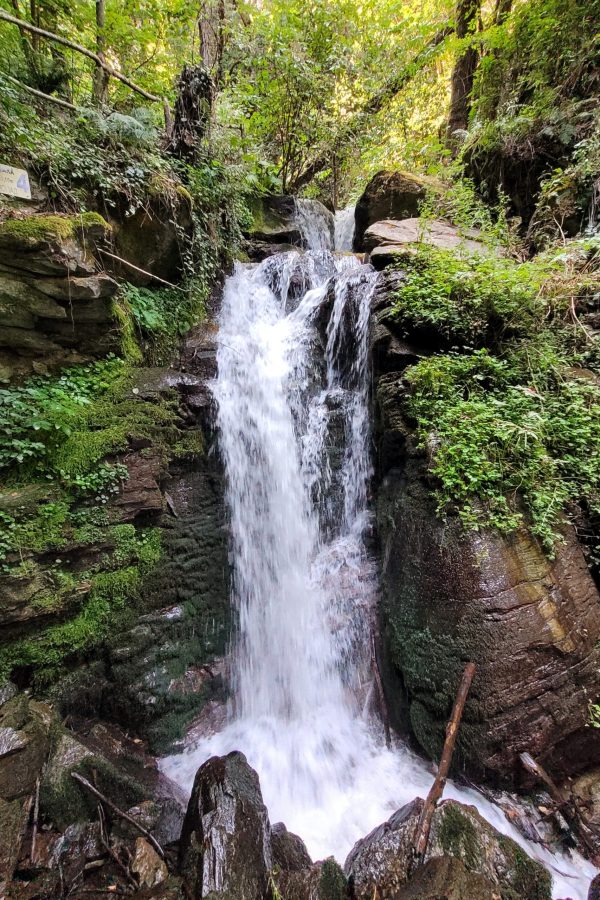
293 417
344 229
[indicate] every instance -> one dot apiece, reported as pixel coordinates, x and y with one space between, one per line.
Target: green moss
128 341
529 880
458 836
49 228
332 884
110 603
63 801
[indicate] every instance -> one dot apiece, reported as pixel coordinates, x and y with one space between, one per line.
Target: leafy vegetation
508 416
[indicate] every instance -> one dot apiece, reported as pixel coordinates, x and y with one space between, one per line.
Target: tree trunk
100 86
210 26
464 70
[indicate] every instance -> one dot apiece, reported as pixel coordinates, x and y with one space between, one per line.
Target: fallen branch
119 812
57 39
565 805
137 269
104 840
36 817
437 788
36 93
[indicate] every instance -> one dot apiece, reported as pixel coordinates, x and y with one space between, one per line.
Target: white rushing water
344 229
293 418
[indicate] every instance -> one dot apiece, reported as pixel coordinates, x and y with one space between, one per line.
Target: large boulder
466 849
391 195
225 848
391 241
55 304
530 624
322 881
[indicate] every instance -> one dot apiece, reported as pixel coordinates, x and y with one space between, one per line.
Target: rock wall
530 624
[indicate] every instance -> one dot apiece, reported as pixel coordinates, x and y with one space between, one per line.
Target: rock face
390 195
275 225
55 304
225 847
530 624
389 241
151 238
465 856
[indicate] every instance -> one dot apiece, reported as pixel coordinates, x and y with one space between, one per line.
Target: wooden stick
50 36
119 812
36 93
137 269
36 817
566 807
437 788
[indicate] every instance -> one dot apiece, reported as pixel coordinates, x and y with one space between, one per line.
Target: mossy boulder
382 861
63 801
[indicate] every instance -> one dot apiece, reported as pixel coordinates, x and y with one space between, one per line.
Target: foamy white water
344 229
293 418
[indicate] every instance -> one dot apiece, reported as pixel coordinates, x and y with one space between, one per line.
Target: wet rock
381 861
274 221
396 238
162 817
25 729
390 195
530 624
586 790
150 869
140 494
225 841
31 721
594 891
78 845
289 850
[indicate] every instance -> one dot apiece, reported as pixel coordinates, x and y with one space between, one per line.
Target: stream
292 393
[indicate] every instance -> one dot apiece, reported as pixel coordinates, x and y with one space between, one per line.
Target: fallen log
437 788
566 807
118 812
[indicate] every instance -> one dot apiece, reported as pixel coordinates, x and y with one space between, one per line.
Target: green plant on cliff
508 427
111 595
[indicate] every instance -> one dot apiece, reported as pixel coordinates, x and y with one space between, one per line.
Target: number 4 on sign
14 182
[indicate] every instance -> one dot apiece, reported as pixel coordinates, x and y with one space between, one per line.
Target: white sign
14 182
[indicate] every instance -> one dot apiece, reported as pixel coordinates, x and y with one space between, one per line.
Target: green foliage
509 426
470 300
37 417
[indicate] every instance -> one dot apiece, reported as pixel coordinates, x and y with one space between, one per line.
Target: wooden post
437 788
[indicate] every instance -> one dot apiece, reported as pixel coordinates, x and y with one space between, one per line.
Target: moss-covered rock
383 860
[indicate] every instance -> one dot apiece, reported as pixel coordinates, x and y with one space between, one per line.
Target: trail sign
14 182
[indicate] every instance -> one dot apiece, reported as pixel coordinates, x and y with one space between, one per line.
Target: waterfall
292 394
344 229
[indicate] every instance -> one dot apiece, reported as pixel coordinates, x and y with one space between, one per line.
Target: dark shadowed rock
379 864
289 850
390 195
225 846
594 892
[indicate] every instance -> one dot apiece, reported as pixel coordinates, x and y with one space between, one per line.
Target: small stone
147 864
11 741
